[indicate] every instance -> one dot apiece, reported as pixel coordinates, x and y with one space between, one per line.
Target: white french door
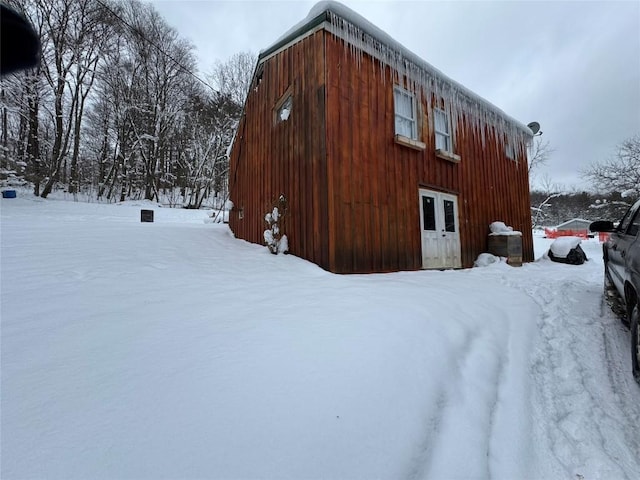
440 230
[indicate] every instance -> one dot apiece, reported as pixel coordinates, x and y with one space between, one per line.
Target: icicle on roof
363 37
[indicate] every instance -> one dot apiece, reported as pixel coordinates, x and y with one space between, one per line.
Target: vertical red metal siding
352 191
375 172
270 158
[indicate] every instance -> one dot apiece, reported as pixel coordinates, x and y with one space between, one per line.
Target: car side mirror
602 226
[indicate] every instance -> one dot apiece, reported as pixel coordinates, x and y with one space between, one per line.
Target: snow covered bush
275 240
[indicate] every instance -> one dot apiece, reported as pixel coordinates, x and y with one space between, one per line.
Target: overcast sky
572 66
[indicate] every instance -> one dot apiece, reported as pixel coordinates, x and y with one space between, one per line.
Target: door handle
623 253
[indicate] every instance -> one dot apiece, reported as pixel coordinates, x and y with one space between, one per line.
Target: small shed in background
574 224
576 227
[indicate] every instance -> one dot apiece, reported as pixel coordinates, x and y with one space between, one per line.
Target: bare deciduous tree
539 153
72 32
207 135
548 186
619 173
115 109
540 207
233 77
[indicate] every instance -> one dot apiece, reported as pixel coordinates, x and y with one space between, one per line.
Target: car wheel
613 299
635 343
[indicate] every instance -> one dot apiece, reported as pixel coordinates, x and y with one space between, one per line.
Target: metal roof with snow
574 220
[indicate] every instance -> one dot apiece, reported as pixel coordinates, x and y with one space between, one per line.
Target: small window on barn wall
443 130
406 119
444 139
405 113
283 107
509 150
258 77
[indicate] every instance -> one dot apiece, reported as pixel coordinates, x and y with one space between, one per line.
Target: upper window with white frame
284 110
509 150
442 126
283 107
405 113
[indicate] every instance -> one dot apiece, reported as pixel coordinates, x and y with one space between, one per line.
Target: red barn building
386 163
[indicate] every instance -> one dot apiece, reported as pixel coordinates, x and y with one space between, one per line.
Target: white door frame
439 229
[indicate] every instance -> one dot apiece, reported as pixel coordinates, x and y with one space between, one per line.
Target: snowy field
172 350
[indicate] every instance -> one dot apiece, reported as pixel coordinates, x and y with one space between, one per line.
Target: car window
626 220
634 225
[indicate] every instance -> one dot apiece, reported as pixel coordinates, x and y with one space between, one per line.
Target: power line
139 32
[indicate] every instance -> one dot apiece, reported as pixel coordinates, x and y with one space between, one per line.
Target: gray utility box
509 246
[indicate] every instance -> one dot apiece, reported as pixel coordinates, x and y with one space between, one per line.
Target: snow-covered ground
172 350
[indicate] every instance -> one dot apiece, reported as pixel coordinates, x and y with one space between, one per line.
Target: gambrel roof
361 36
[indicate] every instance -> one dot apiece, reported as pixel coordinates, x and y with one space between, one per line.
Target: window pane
405 114
626 220
428 213
404 105
442 142
449 217
404 127
443 135
510 151
285 109
634 228
441 121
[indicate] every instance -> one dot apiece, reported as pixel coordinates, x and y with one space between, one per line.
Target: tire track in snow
493 397
614 331
575 352
494 413
467 398
433 425
563 363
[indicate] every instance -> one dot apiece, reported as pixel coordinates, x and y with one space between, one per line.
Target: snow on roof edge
328 7
573 220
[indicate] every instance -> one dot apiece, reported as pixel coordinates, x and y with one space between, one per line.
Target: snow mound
501 228
485 259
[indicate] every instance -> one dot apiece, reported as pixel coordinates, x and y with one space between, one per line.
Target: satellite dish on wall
534 127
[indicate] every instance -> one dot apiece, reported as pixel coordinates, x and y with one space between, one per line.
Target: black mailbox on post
146 215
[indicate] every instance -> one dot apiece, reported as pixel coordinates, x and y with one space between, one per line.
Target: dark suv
622 272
